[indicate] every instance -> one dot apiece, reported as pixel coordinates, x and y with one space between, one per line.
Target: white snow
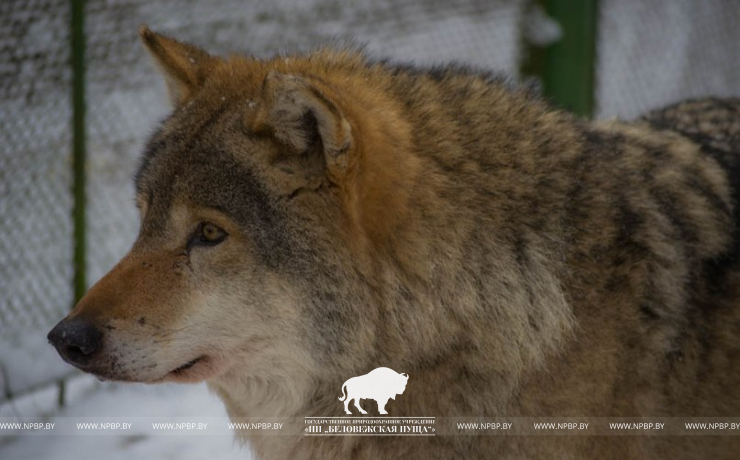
130 400
27 360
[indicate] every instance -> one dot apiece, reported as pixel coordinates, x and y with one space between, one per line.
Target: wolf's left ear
184 66
303 115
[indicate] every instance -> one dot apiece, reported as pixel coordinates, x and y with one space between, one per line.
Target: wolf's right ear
185 67
305 116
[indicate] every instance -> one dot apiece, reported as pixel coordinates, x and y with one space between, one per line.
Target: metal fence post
78 146
566 68
79 157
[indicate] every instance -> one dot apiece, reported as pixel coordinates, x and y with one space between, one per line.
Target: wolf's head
254 195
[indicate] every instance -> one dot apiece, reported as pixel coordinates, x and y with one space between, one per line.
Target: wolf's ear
303 116
184 66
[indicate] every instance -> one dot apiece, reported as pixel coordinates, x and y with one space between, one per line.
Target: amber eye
207 235
211 233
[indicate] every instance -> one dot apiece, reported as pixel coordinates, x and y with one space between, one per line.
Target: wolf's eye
207 235
211 234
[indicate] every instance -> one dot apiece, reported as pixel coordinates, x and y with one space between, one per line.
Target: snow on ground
27 360
131 400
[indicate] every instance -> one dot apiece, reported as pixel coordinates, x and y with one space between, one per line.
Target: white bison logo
381 385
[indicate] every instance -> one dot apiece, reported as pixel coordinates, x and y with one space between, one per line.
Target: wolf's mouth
187 365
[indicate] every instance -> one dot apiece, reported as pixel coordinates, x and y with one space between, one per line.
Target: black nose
76 340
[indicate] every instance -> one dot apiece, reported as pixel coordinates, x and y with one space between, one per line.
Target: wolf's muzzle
76 340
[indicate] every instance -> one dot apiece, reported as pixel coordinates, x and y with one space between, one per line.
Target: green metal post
78 145
566 68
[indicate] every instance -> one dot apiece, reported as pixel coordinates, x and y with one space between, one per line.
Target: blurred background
79 96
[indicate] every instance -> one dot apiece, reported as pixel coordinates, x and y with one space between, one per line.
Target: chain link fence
648 54
653 53
35 174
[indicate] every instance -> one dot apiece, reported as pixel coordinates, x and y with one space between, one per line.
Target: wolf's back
711 122
714 124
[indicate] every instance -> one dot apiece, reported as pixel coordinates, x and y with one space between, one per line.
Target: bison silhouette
381 385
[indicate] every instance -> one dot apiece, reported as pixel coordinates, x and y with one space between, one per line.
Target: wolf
307 218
